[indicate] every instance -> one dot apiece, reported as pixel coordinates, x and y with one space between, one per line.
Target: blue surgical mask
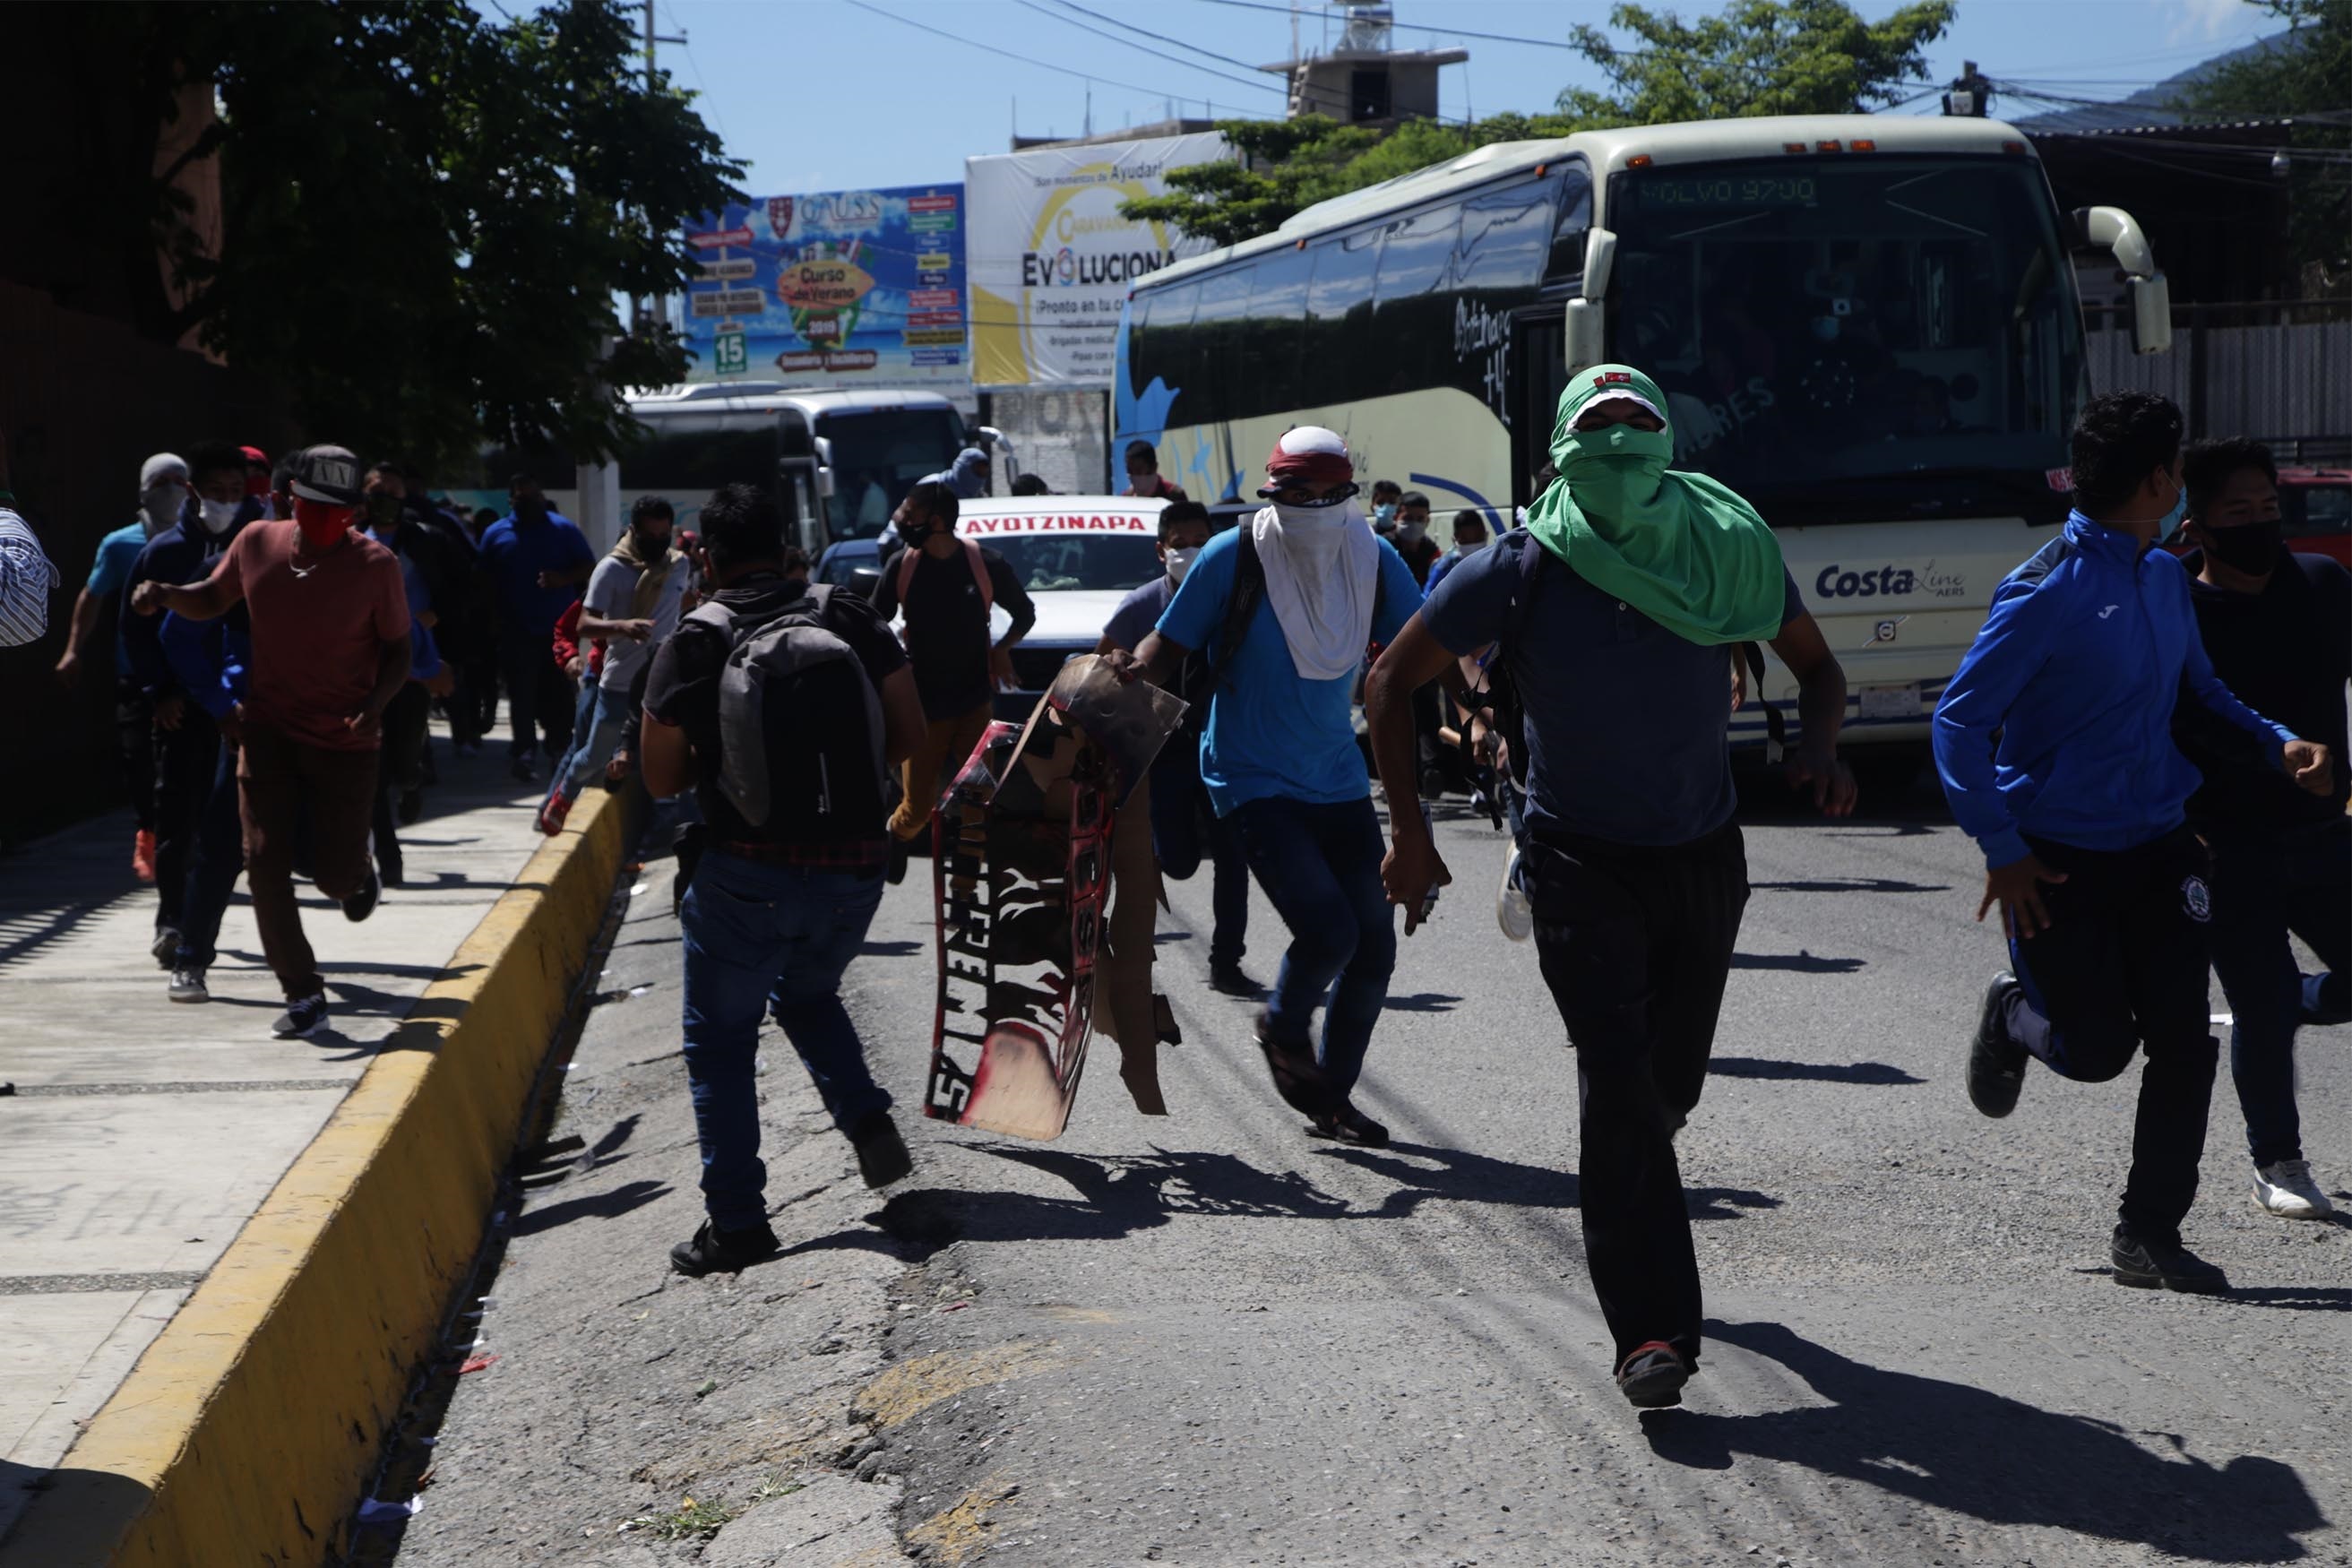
1384 513
2171 524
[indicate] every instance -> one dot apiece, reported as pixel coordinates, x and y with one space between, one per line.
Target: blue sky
821 95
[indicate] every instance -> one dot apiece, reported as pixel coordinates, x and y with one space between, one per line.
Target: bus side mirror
2115 230
1584 340
1583 337
823 468
2151 315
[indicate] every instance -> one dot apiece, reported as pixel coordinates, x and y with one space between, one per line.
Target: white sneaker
1513 911
2289 1191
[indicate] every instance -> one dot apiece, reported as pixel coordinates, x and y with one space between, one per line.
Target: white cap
162 466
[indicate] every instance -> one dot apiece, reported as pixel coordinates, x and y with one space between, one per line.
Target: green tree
2305 74
424 214
1759 57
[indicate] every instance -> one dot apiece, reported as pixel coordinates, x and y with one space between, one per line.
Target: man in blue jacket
2055 748
187 743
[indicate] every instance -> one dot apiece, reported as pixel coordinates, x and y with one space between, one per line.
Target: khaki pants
945 744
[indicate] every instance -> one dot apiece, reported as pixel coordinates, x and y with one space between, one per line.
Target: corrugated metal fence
2280 373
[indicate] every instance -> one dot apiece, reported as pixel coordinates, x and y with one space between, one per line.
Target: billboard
1051 258
836 289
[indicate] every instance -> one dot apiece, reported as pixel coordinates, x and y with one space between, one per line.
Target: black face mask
2251 547
914 533
530 510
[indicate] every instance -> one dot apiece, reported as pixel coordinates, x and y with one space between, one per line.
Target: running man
2278 627
1286 605
1617 609
2054 741
331 650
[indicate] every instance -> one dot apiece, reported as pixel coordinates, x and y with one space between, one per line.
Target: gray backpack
800 724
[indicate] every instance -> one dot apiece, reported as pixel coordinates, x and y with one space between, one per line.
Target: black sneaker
1996 1063
1653 1377
1297 1076
165 948
361 904
2163 1266
411 806
521 767
304 1016
882 1156
899 853
1232 980
1348 1125
716 1251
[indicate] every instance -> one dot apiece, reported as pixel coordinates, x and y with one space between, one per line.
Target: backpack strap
1241 604
1776 731
972 558
979 565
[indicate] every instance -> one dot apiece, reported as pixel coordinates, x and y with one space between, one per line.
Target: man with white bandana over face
1284 606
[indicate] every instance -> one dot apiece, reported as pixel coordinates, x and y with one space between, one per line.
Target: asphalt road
1208 1340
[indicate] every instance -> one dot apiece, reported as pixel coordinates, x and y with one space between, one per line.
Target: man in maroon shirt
329 650
1143 478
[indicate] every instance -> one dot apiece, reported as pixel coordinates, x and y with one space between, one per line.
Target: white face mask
1412 531
163 506
219 514
1180 562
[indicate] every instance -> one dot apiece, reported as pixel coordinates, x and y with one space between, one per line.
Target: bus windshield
877 456
1853 337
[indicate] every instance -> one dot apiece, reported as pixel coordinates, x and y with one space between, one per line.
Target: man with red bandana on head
257 476
1284 606
331 650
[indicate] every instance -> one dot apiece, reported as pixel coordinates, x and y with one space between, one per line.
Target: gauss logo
779 215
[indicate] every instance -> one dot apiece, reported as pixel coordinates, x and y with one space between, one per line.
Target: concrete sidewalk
141 1136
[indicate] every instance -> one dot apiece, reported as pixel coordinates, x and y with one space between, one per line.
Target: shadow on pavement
1995 1459
1463 1176
621 1200
1796 962
1850 885
1814 1072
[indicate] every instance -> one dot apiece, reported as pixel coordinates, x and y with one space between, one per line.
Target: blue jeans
2265 887
775 938
596 729
1320 867
1184 828
213 868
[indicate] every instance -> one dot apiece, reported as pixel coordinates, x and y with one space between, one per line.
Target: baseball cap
329 474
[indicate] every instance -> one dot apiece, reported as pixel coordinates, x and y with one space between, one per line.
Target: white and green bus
1866 325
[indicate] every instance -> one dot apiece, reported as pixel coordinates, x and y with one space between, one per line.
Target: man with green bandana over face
1618 609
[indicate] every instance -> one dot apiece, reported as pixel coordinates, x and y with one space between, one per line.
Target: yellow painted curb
246 1432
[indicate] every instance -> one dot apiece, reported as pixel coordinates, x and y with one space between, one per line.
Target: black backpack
800 725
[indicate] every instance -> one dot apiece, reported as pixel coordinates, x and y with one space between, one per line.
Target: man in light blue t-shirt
1284 607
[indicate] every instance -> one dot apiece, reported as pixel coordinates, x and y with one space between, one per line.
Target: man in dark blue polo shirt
536 560
1618 610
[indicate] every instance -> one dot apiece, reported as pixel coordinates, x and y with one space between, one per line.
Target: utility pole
640 308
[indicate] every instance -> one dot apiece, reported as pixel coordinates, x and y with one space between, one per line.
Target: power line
1027 59
1126 27
1411 27
1260 83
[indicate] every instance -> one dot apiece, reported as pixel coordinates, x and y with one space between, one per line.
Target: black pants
187 760
134 743
213 866
2122 966
2266 886
400 768
538 698
1636 944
